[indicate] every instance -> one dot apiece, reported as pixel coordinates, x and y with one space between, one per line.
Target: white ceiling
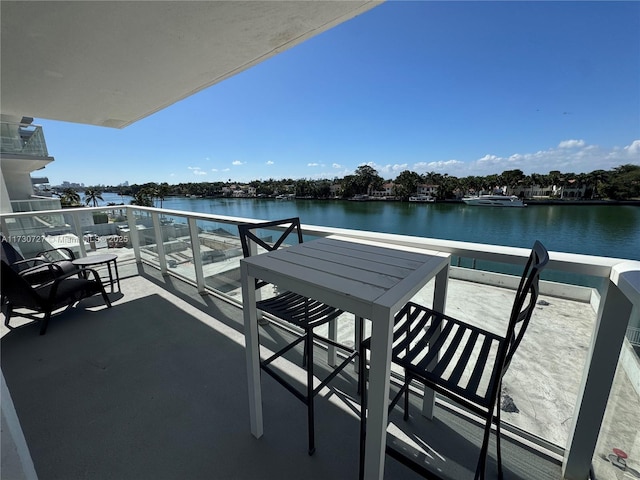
111 63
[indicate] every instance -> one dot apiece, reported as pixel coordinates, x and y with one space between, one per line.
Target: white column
610 328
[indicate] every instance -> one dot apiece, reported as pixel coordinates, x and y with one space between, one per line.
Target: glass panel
511 269
104 230
146 236
621 424
32 234
221 252
35 205
177 246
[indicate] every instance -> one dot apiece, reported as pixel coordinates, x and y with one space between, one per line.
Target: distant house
571 190
427 189
387 191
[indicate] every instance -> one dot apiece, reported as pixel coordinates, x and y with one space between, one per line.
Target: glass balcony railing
22 139
581 350
35 204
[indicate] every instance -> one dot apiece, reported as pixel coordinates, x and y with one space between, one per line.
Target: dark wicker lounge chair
44 298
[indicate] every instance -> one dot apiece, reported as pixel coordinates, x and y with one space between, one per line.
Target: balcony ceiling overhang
113 63
21 164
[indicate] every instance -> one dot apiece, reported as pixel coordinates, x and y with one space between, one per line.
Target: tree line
620 183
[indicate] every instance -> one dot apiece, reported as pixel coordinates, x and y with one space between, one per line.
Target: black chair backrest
247 234
17 290
525 301
9 253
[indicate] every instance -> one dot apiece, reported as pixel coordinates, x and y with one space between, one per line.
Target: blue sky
459 88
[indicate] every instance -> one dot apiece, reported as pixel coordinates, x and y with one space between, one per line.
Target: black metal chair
49 296
61 259
436 350
300 311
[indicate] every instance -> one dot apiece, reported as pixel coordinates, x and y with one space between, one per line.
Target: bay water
602 230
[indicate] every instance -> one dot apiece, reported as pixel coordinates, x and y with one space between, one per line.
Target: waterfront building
427 189
387 191
571 190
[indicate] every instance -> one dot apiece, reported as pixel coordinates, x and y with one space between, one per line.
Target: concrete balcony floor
156 388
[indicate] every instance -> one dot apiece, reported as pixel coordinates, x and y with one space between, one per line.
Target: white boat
360 198
422 199
494 201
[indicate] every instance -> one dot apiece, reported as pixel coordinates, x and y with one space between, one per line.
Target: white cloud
386 170
269 162
633 149
336 165
570 156
440 165
490 159
197 170
214 169
383 170
571 144
236 162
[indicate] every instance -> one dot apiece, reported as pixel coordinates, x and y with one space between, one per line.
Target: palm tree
143 197
92 196
597 178
162 191
69 197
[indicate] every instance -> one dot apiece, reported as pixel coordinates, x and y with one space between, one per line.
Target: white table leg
378 403
439 301
252 351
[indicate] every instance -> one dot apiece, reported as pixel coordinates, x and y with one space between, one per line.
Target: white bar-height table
365 278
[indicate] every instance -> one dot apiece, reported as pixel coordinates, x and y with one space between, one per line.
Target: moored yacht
494 201
422 199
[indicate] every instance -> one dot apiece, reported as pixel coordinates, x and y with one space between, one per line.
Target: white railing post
78 230
133 234
162 259
197 256
613 317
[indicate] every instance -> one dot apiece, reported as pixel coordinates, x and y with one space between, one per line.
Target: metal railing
204 250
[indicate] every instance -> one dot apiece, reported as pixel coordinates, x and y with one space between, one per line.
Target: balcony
22 139
156 386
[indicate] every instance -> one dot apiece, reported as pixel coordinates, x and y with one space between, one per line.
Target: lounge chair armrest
27 261
69 253
51 266
81 271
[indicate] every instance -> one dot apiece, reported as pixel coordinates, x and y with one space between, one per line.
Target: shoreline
528 202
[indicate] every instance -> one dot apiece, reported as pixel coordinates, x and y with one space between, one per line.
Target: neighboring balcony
22 139
156 386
